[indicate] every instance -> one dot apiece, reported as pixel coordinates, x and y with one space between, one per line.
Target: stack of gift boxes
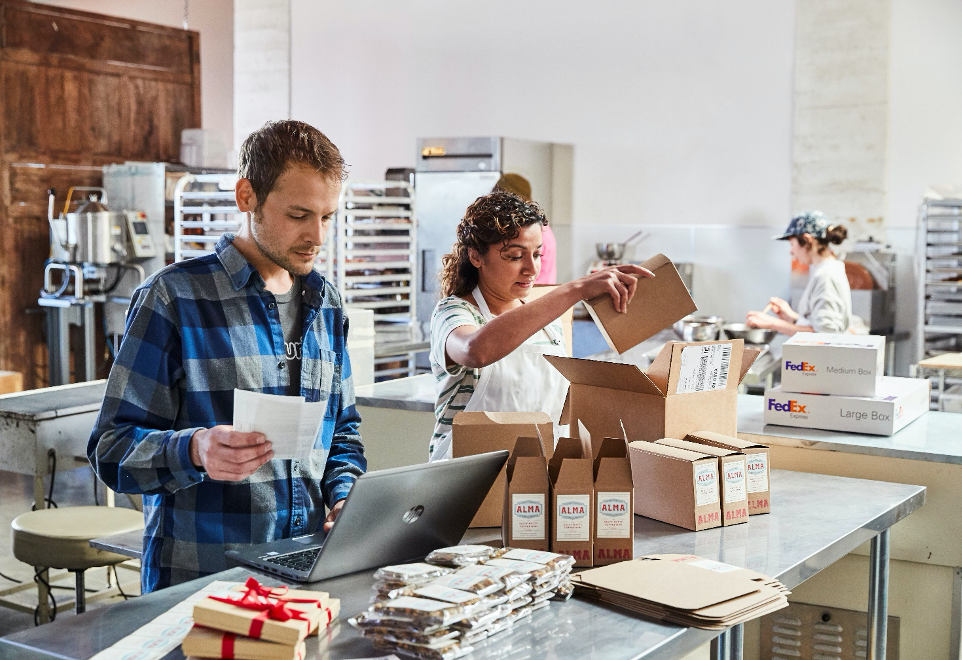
836 382
438 610
253 622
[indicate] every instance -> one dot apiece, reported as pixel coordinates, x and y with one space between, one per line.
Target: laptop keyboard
302 560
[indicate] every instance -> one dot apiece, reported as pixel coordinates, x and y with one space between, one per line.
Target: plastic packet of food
481 619
518 603
475 636
536 573
417 573
551 559
459 555
523 589
450 652
423 612
476 584
564 590
509 577
441 636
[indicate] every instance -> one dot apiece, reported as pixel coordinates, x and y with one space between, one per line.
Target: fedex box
846 364
526 521
731 478
479 432
689 386
899 401
758 466
675 486
572 500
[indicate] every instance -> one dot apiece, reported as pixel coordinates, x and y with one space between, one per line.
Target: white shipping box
899 402
846 364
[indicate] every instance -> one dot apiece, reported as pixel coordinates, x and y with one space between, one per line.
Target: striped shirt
195 331
456 384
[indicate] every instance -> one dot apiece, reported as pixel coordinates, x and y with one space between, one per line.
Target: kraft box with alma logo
526 522
572 497
676 486
845 364
899 401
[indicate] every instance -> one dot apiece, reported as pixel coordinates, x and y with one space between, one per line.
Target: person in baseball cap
826 302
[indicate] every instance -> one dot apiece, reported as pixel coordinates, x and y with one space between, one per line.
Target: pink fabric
549 272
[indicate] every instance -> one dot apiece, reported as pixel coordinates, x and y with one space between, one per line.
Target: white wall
213 19
678 112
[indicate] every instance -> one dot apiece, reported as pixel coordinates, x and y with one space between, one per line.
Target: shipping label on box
526 521
757 466
572 488
480 432
676 486
899 402
689 386
614 538
732 478
844 364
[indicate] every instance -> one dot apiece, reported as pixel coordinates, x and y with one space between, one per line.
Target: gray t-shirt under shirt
289 309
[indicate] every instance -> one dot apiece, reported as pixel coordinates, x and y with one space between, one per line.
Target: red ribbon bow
270 603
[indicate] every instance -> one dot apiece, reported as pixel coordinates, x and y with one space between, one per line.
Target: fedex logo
791 406
799 366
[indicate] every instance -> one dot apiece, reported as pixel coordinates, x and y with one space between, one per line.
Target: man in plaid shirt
255 316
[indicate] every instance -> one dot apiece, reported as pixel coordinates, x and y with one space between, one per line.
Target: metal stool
60 538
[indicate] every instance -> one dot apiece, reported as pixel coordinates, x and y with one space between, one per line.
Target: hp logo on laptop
413 514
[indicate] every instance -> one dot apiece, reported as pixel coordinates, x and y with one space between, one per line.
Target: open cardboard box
690 386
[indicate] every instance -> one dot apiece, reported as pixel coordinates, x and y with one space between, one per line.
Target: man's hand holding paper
289 424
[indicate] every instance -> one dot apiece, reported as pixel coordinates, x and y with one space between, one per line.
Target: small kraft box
208 643
526 522
658 302
731 471
899 402
614 537
479 432
757 466
675 486
689 386
844 364
572 496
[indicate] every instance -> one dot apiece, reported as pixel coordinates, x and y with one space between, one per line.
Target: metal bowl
698 328
749 334
610 251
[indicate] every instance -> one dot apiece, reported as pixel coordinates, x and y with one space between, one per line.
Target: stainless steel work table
816 520
36 422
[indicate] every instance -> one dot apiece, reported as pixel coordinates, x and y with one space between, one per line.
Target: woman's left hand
760 320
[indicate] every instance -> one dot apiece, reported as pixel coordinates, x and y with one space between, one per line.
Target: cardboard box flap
722 440
704 366
527 446
697 447
749 356
673 584
658 302
611 375
610 448
672 452
566 448
660 367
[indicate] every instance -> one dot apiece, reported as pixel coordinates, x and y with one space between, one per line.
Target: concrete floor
71 488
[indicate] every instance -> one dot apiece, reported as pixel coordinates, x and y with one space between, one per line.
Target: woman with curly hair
486 342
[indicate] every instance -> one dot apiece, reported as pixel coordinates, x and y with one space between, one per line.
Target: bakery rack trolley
940 284
374 262
204 208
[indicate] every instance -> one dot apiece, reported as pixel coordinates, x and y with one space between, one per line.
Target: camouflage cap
810 222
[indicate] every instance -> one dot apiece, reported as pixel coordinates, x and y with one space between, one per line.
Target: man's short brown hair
270 150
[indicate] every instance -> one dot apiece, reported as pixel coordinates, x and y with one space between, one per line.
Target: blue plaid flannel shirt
195 331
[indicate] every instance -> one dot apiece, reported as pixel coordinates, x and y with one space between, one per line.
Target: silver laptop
390 516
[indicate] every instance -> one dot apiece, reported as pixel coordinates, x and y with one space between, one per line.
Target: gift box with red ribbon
273 614
208 643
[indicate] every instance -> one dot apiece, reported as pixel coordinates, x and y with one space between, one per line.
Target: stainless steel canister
96 235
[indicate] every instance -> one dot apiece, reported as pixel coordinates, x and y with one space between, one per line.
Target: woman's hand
782 310
760 320
620 282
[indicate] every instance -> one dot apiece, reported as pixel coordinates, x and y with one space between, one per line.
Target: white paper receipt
704 368
614 515
706 484
528 516
288 422
573 522
735 481
757 473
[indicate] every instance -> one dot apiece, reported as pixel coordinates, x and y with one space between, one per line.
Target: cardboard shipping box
527 496
757 466
689 386
899 402
614 536
658 302
845 364
572 496
479 432
676 486
731 474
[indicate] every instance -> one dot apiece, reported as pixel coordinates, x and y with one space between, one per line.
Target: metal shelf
939 242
